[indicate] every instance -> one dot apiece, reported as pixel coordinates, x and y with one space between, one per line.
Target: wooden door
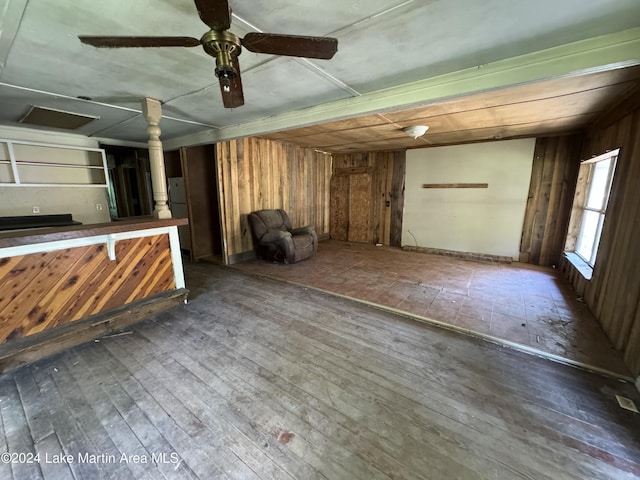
359 208
339 205
367 197
351 207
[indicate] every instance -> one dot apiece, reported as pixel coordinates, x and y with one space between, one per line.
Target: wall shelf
62 166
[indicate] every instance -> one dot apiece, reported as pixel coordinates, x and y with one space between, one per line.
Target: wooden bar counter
63 286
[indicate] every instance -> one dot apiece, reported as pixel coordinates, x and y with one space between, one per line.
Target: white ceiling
382 44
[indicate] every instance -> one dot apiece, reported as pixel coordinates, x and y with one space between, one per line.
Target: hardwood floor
528 307
261 379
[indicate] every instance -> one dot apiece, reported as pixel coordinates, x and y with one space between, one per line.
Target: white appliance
178 206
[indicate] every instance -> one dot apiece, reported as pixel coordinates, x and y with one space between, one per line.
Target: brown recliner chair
275 239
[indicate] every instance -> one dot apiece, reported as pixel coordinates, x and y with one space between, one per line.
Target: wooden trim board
35 347
455 185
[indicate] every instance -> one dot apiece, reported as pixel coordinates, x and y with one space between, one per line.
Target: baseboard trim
476 257
26 350
242 257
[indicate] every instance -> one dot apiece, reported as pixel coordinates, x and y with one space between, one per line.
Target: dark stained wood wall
198 170
255 174
43 290
553 180
367 197
613 293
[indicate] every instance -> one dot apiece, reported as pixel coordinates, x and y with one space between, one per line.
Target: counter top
17 238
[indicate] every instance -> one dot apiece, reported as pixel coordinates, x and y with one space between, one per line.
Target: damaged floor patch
284 436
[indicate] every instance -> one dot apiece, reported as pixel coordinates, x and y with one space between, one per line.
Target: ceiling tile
425 39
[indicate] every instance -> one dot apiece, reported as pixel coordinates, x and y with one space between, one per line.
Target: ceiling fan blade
234 97
291 45
138 42
215 13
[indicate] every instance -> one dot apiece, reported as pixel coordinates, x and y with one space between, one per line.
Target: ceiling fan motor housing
222 45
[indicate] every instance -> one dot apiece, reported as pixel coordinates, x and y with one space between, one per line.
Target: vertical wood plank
613 293
257 174
388 187
553 178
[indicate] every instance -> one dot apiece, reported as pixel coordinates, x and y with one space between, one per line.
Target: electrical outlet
35 209
98 206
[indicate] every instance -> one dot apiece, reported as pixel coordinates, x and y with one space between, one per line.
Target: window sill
580 265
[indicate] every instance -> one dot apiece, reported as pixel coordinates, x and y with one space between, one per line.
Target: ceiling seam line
68 97
122 122
4 58
107 105
371 17
330 77
326 75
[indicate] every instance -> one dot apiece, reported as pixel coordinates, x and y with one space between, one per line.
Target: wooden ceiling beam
625 105
602 53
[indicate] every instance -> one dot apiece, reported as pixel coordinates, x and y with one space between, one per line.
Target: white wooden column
153 113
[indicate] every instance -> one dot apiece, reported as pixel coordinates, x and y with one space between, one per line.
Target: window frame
580 205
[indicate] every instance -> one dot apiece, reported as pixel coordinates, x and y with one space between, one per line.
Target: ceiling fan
220 43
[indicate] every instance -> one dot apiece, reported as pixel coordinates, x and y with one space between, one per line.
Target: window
590 205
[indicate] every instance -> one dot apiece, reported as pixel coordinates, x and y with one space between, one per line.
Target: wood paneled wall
198 169
553 180
613 293
43 290
367 197
255 174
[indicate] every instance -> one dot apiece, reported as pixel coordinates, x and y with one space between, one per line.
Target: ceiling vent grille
49 117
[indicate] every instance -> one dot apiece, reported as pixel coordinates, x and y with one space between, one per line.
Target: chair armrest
275 236
309 230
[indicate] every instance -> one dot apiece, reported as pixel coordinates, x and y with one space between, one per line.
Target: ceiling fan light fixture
225 47
225 80
415 131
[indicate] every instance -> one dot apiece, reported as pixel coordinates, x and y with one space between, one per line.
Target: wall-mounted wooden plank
455 185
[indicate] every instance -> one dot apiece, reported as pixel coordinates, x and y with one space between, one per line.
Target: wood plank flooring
261 379
529 307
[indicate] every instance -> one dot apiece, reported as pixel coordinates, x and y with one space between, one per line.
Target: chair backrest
263 221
